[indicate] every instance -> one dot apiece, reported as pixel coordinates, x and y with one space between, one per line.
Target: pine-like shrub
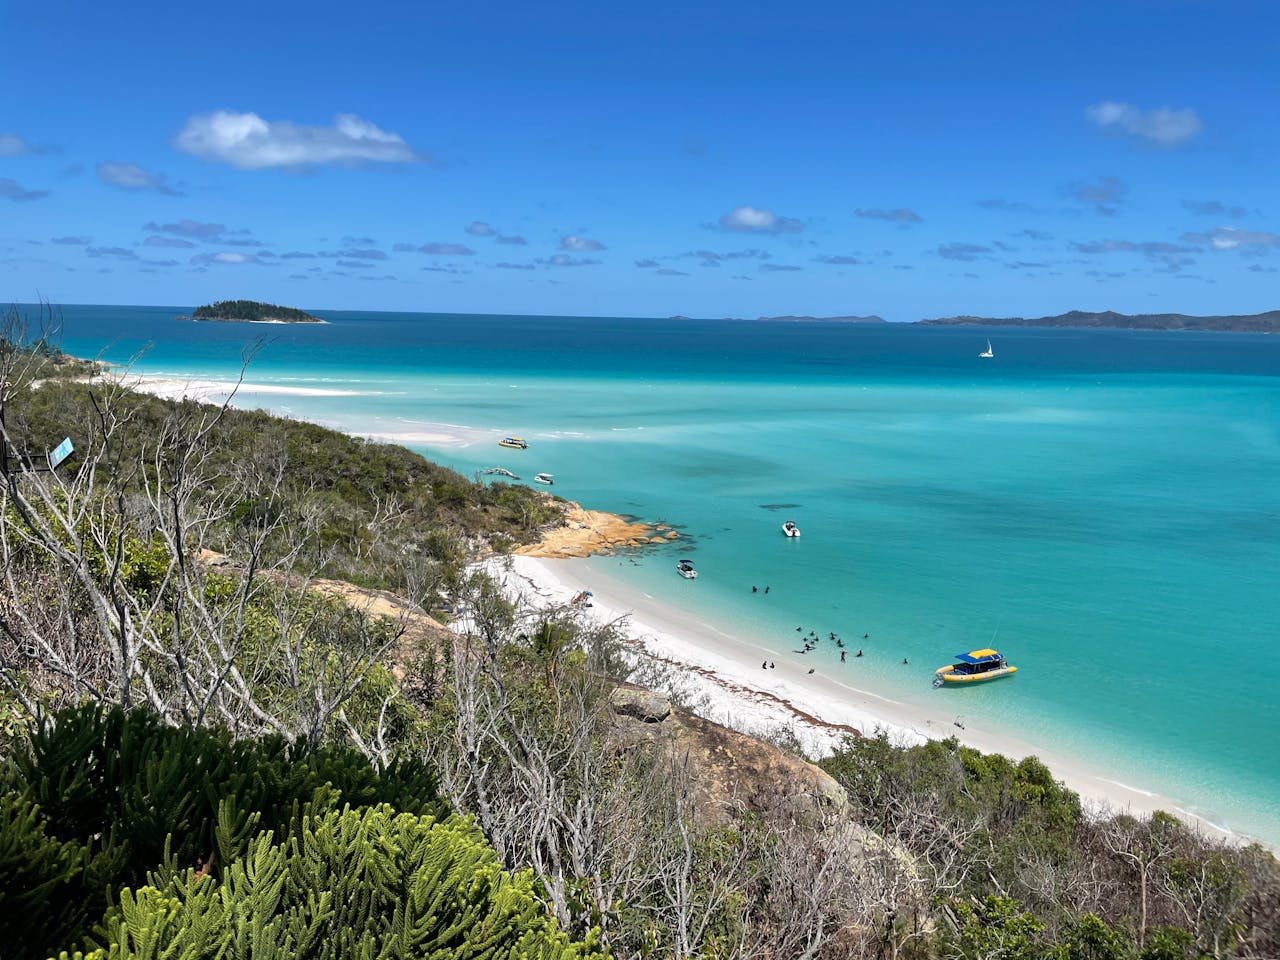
352 884
129 796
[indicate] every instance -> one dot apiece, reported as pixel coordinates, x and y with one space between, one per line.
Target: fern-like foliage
100 799
368 883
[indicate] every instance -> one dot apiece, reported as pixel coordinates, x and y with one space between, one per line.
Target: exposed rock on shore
583 533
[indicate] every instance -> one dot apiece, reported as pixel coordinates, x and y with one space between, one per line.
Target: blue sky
712 159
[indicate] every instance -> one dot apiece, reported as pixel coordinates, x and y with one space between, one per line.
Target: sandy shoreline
719 673
722 676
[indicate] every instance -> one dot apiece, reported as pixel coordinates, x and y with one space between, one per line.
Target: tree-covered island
1268 322
250 311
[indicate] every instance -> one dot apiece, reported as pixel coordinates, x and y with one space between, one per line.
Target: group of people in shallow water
811 641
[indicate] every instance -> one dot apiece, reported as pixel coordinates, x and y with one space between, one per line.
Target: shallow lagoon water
1104 504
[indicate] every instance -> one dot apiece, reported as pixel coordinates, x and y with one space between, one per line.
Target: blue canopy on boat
978 656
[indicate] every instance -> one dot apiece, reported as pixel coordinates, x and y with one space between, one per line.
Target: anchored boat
515 443
547 478
976 666
987 353
685 569
790 529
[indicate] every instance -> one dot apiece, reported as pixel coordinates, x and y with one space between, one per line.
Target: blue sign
60 453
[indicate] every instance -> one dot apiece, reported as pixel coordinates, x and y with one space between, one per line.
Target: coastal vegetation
1268 322
251 311
208 753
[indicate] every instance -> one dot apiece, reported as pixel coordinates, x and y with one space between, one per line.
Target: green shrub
129 796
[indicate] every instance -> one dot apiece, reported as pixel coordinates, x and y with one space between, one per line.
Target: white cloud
447 250
12 190
246 141
12 145
130 176
1163 126
753 220
1233 238
564 260
193 229
898 215
226 256
580 244
478 228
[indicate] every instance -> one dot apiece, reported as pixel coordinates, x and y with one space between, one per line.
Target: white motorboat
685 569
547 478
987 353
790 529
501 472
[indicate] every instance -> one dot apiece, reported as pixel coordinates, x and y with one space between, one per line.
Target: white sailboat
988 353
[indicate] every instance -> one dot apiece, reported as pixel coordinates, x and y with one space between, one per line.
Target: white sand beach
721 675
718 674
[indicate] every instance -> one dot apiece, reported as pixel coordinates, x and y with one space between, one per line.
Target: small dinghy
685 569
790 529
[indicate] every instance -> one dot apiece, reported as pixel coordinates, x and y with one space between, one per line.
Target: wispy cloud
755 220
230 258
130 176
12 190
1233 238
564 260
248 142
1105 195
962 251
999 203
1162 126
1031 234
1215 208
172 242
779 267
576 244
1171 256
478 228
12 145
119 253
516 241
670 272
515 266
447 250
647 264
70 241
358 254
837 259
898 215
191 229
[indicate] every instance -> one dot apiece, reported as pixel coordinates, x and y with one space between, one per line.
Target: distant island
790 319
250 311
1268 322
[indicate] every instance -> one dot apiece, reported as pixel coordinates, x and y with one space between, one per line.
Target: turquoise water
1106 504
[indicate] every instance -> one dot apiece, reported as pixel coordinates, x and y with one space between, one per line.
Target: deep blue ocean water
1105 503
